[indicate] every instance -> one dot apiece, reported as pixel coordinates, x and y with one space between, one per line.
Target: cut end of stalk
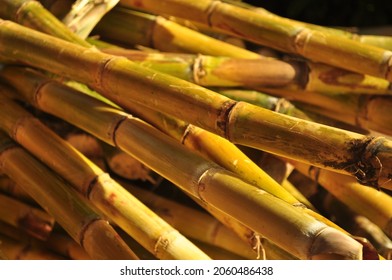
332 244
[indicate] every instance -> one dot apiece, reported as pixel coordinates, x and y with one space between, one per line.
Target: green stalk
132 28
124 82
95 235
88 179
32 220
278 34
285 225
32 14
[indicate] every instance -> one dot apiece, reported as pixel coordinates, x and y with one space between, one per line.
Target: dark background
358 13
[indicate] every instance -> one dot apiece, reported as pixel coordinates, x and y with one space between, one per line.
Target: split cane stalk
95 235
278 34
34 221
122 81
88 179
207 181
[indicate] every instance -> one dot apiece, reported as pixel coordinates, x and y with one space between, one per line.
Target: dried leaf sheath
95 235
197 176
123 81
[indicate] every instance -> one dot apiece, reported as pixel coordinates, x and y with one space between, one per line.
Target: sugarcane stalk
207 181
85 14
66 246
217 253
34 221
58 243
359 225
367 112
15 250
132 28
32 14
257 72
284 106
94 234
384 42
369 202
87 178
278 34
194 223
239 122
7 186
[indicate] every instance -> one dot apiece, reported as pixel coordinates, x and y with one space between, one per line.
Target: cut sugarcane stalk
368 202
95 235
257 72
207 181
136 28
384 42
88 179
279 34
123 82
359 225
194 223
32 14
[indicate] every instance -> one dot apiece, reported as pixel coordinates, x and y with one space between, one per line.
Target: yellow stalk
95 235
319 46
123 82
369 202
88 179
201 178
32 14
136 28
194 223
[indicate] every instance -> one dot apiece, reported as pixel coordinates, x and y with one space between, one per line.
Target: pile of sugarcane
174 129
